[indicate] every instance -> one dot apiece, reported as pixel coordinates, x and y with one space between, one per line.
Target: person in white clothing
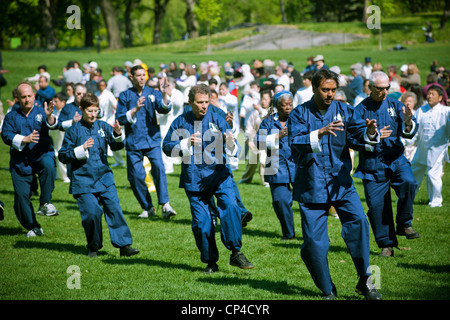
251 97
409 99
283 78
247 78
304 94
256 157
108 104
59 101
165 120
432 141
185 85
229 103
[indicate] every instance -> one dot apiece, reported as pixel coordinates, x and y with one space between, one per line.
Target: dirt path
268 37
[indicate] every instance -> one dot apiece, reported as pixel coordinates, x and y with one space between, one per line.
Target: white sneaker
35 232
435 205
167 211
47 209
146 214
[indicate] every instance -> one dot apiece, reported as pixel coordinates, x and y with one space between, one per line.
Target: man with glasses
383 165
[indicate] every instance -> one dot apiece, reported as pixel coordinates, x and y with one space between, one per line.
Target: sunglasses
382 88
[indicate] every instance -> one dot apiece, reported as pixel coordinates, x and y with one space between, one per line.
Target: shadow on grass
63 247
152 262
445 268
8 231
279 287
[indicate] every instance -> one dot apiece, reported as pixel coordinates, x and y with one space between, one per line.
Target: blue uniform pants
136 176
282 204
91 211
378 197
46 171
355 232
202 224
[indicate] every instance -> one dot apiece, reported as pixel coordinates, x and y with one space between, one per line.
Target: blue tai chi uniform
143 138
92 182
66 115
204 174
29 159
322 180
279 172
384 166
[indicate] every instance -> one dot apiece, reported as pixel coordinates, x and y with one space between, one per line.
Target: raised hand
32 137
385 133
77 117
117 129
337 125
371 126
88 144
196 138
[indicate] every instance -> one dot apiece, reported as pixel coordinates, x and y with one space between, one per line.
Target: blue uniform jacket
201 168
45 95
145 132
67 113
389 152
322 167
92 173
16 123
280 167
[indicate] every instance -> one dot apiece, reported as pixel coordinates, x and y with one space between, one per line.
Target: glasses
382 88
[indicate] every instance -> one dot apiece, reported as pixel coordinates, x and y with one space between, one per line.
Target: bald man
26 131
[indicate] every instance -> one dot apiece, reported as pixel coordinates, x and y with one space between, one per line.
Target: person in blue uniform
203 139
136 110
84 150
317 133
71 113
279 169
26 130
385 166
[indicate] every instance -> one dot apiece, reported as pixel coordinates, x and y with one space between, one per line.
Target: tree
160 11
130 6
283 12
191 19
48 8
114 40
446 14
209 11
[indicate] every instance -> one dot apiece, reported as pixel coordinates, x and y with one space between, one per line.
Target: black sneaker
237 259
128 251
246 218
366 288
408 232
211 268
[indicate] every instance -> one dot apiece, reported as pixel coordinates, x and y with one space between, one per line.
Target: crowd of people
302 128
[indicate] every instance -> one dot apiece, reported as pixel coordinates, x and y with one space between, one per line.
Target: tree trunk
283 12
88 26
109 16
130 6
160 12
191 19
445 15
48 22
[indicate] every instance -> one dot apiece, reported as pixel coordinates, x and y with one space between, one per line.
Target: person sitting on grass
92 184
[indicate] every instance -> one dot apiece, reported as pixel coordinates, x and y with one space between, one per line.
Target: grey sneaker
167 211
148 213
237 259
47 209
35 232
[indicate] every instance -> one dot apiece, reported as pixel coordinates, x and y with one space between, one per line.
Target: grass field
168 266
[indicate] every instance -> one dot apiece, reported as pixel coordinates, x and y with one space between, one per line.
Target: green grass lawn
168 266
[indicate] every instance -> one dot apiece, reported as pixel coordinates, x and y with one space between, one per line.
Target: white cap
93 64
404 68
